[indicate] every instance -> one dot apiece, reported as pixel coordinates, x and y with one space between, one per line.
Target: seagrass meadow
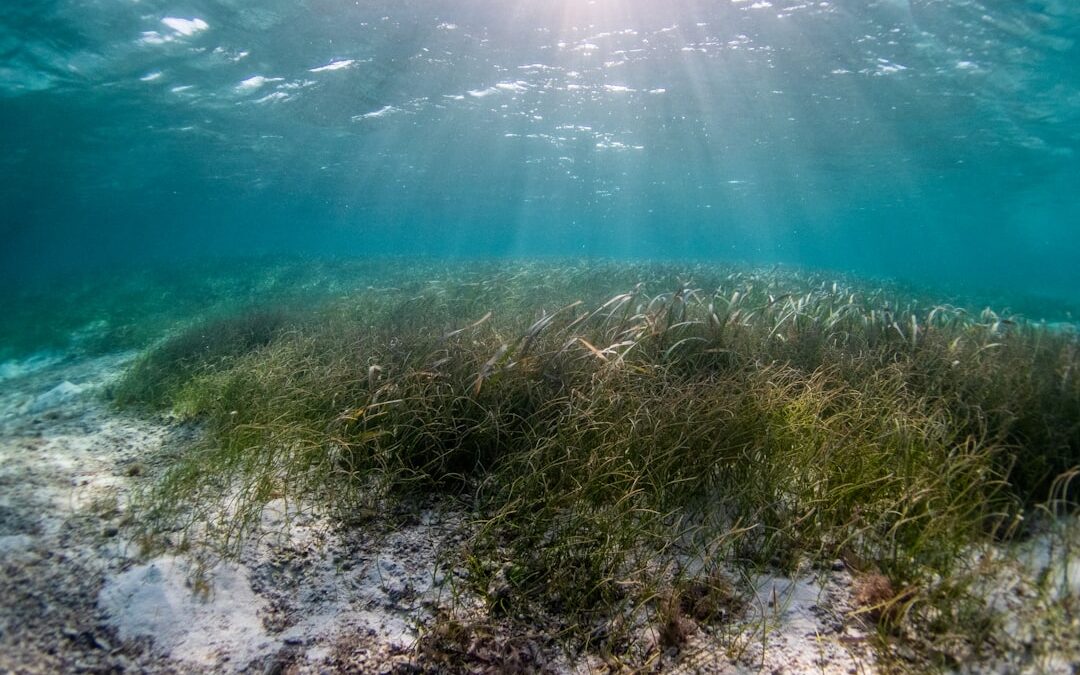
543 336
627 439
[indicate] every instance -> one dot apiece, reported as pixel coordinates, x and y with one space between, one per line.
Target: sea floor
305 596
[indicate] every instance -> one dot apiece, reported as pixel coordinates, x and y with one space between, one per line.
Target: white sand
155 600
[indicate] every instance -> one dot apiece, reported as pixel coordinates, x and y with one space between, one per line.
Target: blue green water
930 141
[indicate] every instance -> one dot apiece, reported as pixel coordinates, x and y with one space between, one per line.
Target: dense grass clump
622 432
156 377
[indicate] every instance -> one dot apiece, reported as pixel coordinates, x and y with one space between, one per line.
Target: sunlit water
932 141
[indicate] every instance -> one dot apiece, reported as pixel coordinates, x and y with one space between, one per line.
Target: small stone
855 634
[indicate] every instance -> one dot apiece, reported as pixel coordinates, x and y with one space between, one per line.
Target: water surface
930 141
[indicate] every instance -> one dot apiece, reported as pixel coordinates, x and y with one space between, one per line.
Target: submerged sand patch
155 600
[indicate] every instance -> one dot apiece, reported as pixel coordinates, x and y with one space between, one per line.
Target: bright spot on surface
152 37
333 65
381 112
150 77
886 68
274 97
512 86
253 83
517 86
186 27
295 84
617 145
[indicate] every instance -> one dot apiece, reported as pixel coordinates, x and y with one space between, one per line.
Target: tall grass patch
624 432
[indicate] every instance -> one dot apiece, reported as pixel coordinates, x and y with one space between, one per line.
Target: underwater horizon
933 143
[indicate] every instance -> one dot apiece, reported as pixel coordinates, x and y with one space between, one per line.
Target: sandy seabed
307 597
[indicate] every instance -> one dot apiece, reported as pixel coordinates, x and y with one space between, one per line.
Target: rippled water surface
934 141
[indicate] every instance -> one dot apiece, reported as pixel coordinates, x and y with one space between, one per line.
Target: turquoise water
934 142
